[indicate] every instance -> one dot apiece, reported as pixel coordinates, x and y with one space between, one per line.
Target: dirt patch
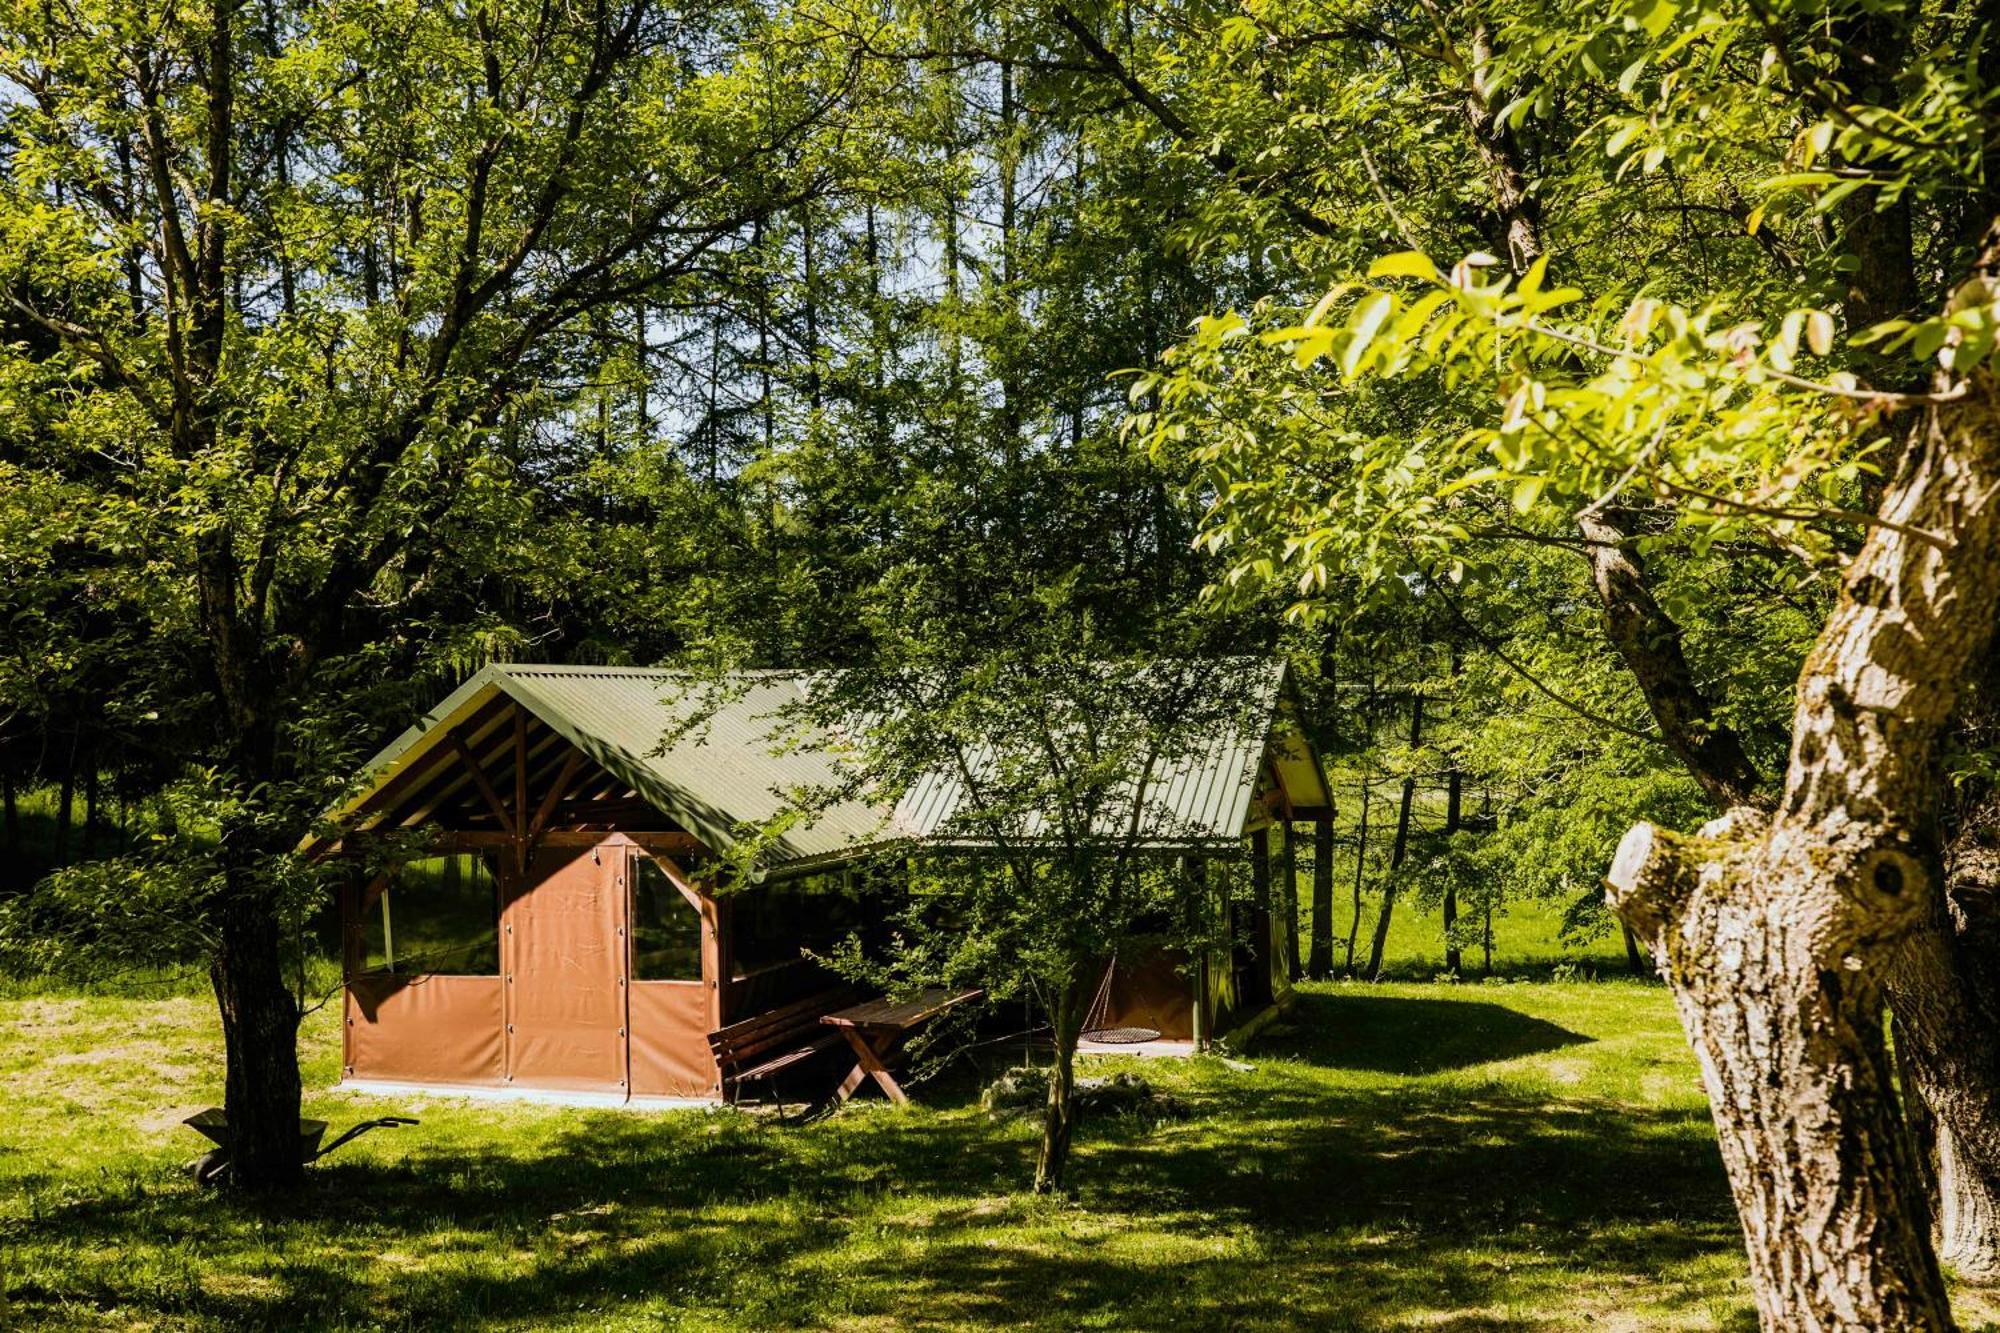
42 1013
169 1120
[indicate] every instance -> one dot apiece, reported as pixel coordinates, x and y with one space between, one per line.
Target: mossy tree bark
1944 986
1940 986
1776 931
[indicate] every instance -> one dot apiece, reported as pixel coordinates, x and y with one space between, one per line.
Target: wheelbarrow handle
385 1122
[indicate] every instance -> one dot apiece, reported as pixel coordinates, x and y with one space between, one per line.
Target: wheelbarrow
212 1125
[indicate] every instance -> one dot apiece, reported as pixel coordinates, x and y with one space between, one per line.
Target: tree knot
1891 887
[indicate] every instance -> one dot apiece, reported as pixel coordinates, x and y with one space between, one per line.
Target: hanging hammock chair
1093 1023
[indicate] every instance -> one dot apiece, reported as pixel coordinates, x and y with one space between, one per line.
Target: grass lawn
1521 1156
1518 1156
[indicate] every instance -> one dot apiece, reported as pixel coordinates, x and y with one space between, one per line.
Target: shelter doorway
562 940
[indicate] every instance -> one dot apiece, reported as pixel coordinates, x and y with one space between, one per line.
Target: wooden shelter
538 913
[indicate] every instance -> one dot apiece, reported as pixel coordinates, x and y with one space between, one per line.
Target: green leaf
1655 15
1531 281
1361 330
1404 264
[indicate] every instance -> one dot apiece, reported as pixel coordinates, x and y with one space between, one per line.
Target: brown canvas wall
559 1015
561 941
670 1052
425 1029
1149 990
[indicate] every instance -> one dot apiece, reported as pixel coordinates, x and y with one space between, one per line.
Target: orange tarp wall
564 1014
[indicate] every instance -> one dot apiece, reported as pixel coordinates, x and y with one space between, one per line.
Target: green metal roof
722 759
1201 795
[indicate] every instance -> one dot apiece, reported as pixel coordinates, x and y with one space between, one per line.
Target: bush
1024 1090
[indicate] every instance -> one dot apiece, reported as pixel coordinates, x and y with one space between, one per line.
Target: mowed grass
1518 1156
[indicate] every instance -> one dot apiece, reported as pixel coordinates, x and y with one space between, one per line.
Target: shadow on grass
1391 1034
1288 1200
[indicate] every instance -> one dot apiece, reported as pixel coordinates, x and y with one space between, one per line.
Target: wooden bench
761 1047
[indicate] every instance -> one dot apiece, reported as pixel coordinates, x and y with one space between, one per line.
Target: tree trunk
90 820
1951 1054
1790 1046
1635 961
66 803
1776 932
1288 864
260 1026
1360 866
10 814
1380 943
1453 808
1452 959
1319 959
1945 989
1397 849
1520 213
1059 1115
1649 641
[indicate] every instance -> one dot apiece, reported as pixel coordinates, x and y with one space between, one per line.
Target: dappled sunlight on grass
1399 1157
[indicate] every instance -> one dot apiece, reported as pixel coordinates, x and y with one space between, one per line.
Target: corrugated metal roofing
722 758
1201 796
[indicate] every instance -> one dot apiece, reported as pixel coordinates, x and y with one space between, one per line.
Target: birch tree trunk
1776 931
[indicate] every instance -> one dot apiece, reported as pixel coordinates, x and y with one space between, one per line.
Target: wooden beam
668 843
577 759
1278 781
479 779
453 786
475 840
632 811
671 844
521 771
414 806
1289 900
425 768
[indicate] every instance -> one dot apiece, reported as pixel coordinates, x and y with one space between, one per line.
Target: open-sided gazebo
548 921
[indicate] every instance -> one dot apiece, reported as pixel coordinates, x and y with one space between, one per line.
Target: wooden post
1260 896
1260 869
521 787
1195 869
715 957
388 937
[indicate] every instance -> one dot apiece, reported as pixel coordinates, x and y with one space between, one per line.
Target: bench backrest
751 1037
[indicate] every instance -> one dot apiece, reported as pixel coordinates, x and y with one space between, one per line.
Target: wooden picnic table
877 1029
